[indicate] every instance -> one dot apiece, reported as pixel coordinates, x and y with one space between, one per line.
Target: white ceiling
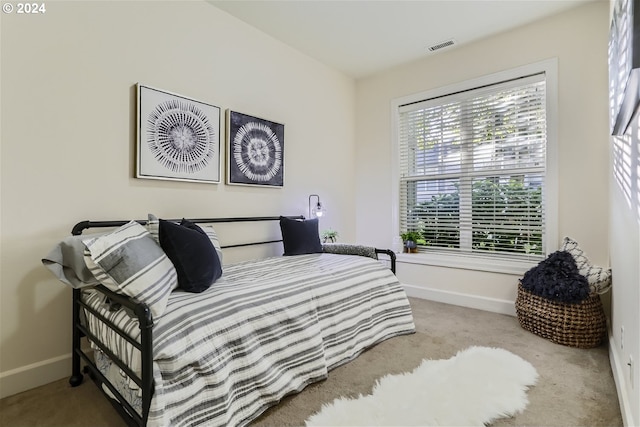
362 37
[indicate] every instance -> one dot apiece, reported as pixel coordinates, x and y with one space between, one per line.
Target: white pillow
128 261
599 278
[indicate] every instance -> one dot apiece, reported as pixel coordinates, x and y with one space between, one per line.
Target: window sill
466 262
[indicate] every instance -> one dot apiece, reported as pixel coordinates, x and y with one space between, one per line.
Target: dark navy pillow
192 254
300 237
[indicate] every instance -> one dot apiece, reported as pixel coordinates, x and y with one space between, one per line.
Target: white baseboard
618 369
31 376
464 300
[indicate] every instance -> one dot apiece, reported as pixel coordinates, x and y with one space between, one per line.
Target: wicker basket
581 325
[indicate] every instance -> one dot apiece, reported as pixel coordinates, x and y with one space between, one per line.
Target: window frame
487 262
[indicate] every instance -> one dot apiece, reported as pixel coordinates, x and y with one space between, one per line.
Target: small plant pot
410 247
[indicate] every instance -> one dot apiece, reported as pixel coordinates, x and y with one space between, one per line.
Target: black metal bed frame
145 319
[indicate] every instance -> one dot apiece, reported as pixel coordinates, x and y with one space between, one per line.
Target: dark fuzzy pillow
300 237
192 253
557 278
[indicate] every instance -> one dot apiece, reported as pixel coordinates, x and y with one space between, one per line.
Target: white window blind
472 169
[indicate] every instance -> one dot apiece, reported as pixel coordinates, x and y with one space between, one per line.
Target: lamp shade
316 210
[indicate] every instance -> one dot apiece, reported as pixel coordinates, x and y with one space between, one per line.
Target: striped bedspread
266 329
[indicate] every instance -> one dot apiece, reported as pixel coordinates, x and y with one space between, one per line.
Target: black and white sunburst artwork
256 151
181 137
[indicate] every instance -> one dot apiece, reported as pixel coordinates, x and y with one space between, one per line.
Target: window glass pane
509 129
433 138
507 214
435 212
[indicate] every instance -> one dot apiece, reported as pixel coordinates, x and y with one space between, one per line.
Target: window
473 169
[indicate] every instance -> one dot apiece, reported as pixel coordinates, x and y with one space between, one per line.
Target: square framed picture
178 137
255 151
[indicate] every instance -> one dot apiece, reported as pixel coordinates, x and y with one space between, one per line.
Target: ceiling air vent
441 45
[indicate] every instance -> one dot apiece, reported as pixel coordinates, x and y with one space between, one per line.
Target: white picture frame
178 138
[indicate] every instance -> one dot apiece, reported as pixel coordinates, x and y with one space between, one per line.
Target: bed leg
76 375
75 380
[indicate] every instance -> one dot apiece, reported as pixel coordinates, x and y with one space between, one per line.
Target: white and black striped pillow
599 278
153 227
130 262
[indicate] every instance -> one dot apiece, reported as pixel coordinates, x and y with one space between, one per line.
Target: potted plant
329 236
411 240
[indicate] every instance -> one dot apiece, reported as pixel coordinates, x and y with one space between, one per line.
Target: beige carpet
575 387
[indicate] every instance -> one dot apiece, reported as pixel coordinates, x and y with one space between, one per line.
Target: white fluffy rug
473 388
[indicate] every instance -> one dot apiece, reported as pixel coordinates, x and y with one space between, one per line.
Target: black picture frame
255 151
624 65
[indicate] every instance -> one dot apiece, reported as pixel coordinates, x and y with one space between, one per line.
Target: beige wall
578 39
68 143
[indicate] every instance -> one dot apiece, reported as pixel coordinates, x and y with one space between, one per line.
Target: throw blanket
558 279
347 249
265 329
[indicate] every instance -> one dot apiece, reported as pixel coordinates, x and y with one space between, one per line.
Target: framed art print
178 137
255 151
624 64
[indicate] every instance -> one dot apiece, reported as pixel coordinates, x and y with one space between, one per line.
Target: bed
264 329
